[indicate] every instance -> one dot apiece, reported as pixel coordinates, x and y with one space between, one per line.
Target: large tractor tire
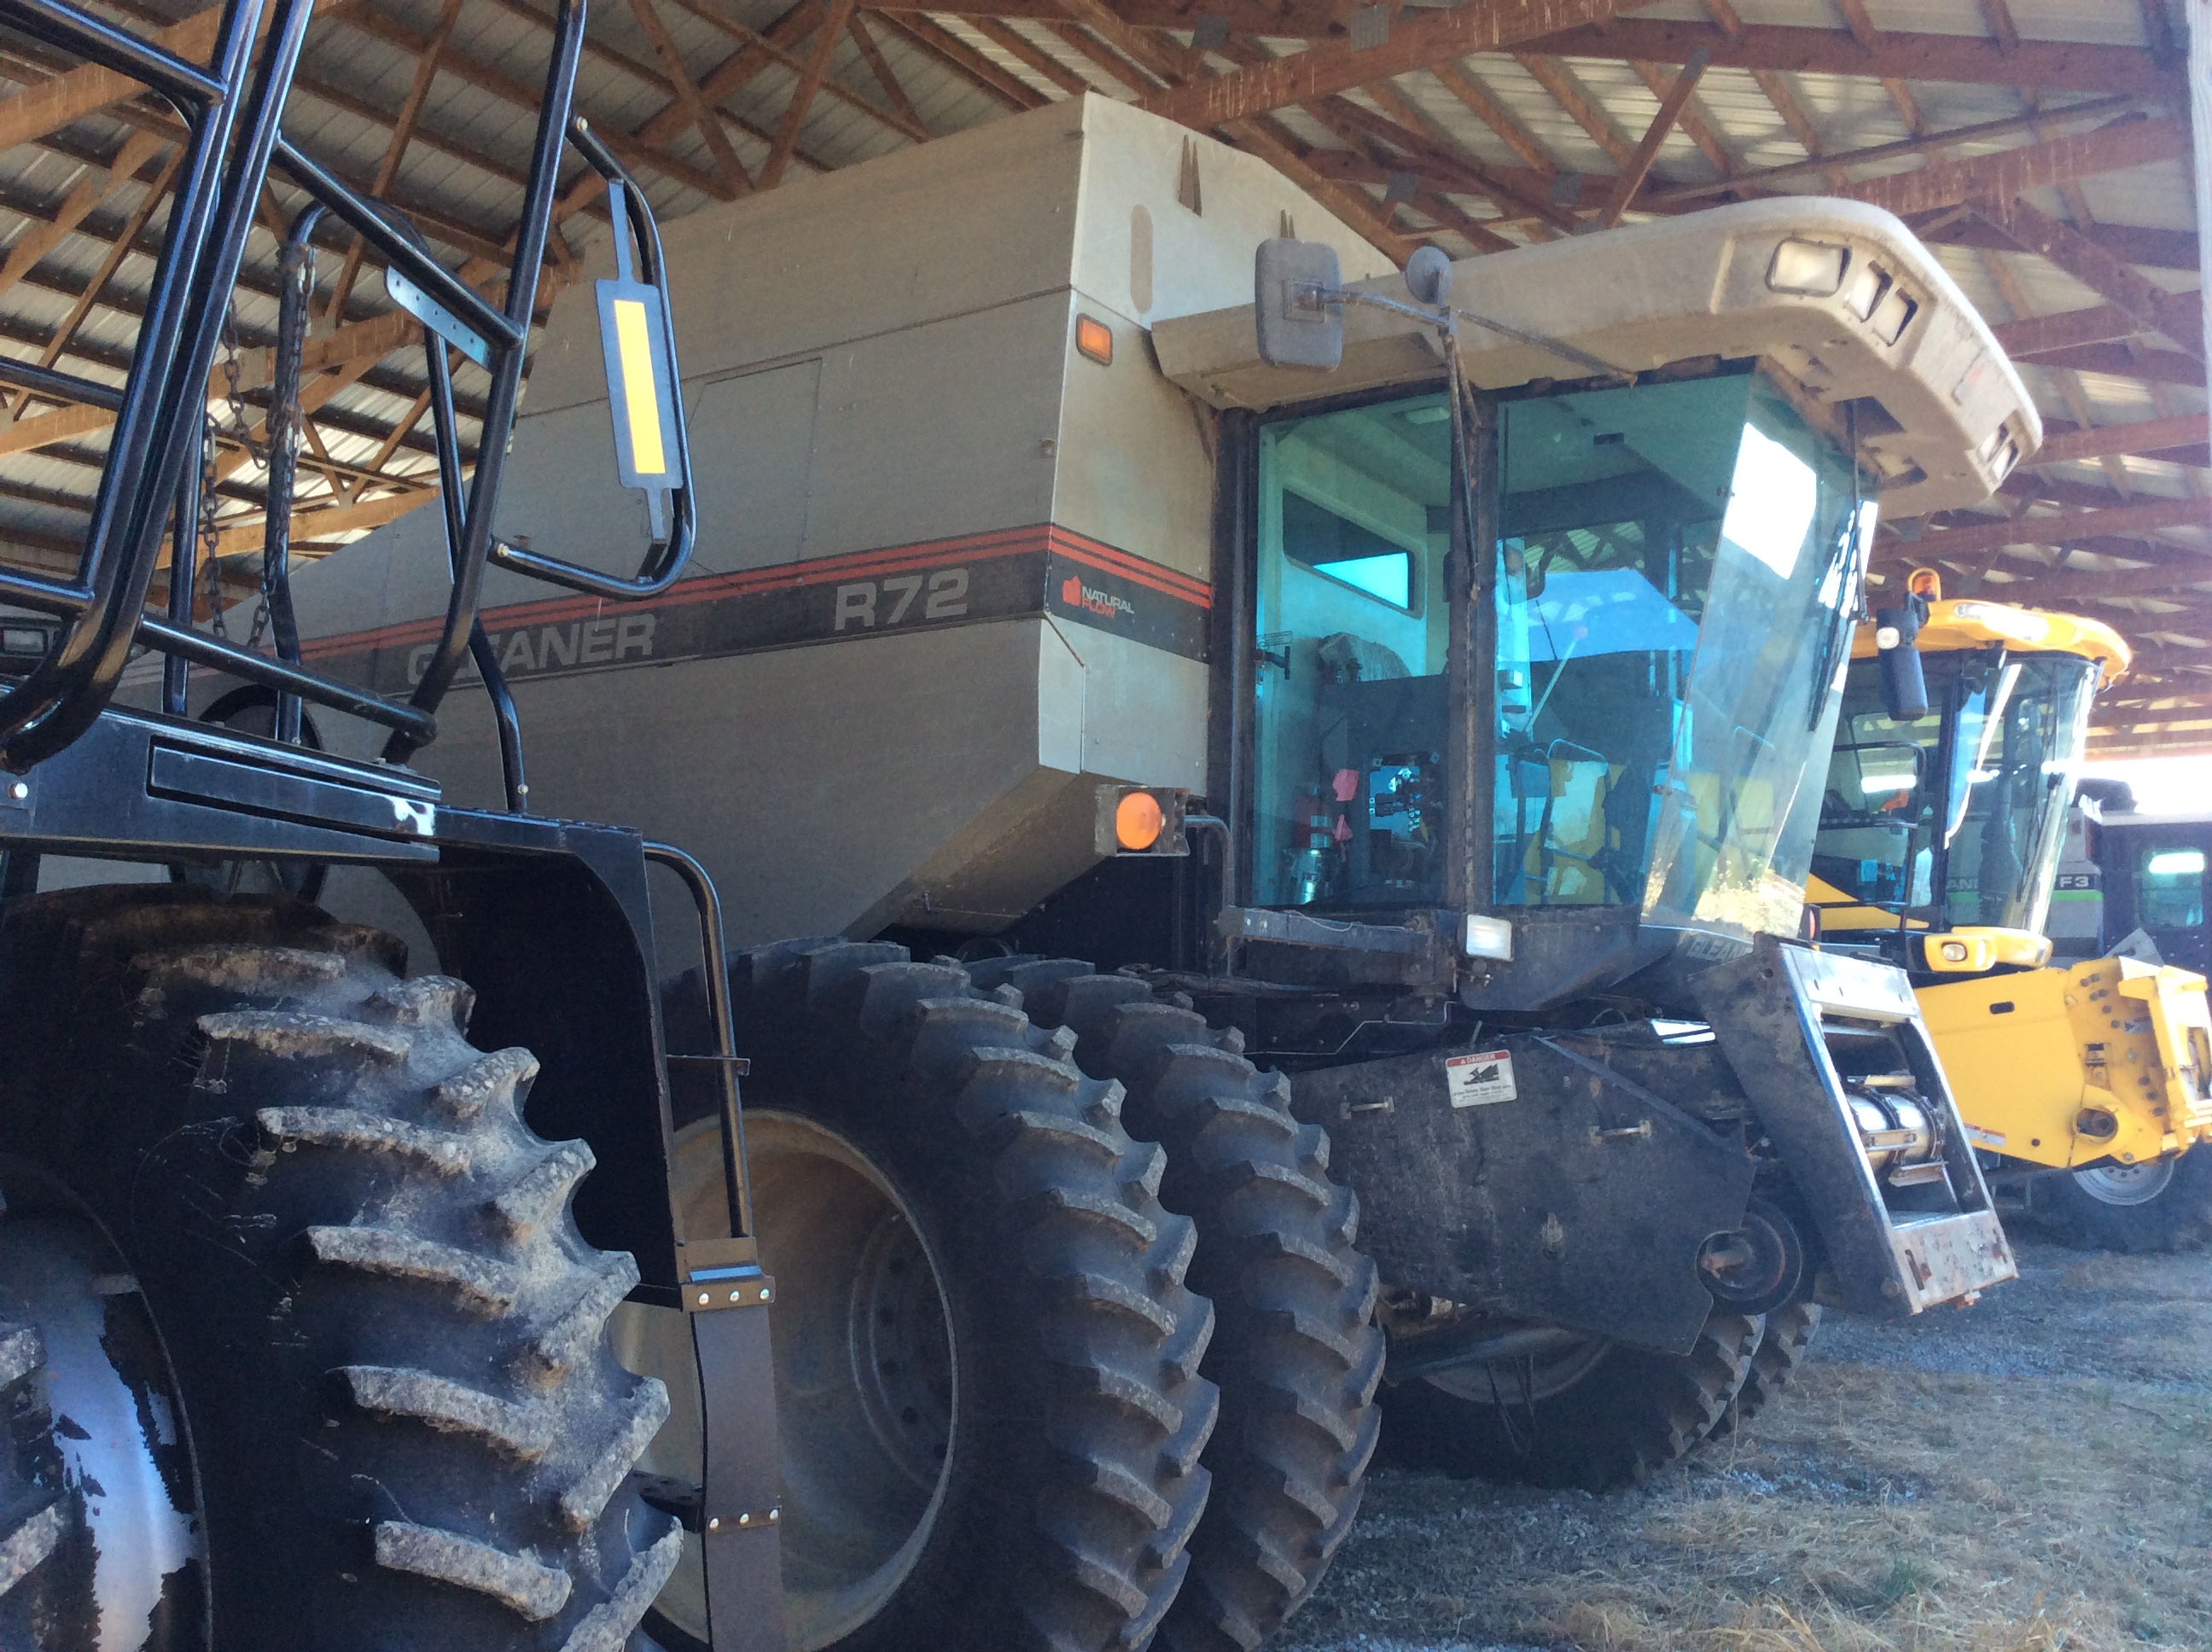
1593 1415
986 1355
2165 1205
1784 1342
1297 1356
387 1333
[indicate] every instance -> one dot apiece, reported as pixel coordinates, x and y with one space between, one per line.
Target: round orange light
1138 820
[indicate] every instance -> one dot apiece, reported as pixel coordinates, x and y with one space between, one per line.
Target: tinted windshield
1675 563
1980 815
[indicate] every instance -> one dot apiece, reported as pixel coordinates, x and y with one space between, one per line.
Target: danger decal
1478 1080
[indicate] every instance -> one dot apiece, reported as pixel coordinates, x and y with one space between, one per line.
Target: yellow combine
2084 1085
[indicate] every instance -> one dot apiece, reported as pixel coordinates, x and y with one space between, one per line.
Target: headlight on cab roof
1813 268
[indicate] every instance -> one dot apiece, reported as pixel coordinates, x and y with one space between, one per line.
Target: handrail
233 111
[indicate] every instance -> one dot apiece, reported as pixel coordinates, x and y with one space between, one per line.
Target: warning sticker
1477 1080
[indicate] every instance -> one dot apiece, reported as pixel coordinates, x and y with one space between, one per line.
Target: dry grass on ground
2032 1475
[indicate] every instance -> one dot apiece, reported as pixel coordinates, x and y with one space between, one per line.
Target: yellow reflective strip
634 344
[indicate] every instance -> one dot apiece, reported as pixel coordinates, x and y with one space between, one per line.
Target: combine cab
2086 1082
1397 773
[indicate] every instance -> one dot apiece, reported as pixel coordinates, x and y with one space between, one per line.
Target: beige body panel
1676 289
883 393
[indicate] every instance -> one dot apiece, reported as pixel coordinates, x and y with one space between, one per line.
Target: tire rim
866 1396
126 1452
2126 1184
1525 1380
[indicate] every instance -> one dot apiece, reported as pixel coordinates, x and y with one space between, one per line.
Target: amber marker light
1095 340
1138 820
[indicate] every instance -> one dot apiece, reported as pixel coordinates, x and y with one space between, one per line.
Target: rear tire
2129 1210
1621 1414
1782 1347
1058 1417
1298 1356
387 1332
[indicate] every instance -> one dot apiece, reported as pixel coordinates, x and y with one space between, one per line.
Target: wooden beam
2031 165
2136 436
1491 112
1415 42
1647 151
880 67
1695 126
321 523
1998 15
395 148
2180 318
38 111
900 117
1901 149
1443 170
1572 95
2047 66
802 95
91 191
363 343
736 179
2163 249
638 153
1026 52
2152 366
971 65
2100 326
2065 527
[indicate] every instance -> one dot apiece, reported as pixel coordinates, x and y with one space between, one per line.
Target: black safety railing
149 486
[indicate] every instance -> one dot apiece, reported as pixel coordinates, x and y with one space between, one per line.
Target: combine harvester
2086 1083
1394 771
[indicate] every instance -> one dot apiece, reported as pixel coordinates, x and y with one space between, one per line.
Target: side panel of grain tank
949 574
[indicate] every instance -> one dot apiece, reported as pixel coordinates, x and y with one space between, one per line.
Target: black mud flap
1524 1178
1803 1029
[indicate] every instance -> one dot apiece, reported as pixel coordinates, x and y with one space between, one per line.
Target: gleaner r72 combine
2087 1084
304 1345
1437 729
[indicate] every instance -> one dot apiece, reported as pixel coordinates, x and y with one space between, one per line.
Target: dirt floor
2031 1473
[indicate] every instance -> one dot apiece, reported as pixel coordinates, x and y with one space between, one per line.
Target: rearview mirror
1904 688
1298 327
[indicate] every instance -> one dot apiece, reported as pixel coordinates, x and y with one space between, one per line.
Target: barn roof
2042 148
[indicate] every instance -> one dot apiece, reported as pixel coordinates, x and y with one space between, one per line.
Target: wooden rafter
735 179
395 148
2063 527
1647 151
937 41
1571 94
1457 80
878 65
2181 318
2148 436
1026 52
802 97
1415 42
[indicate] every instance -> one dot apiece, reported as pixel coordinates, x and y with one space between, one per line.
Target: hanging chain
210 535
